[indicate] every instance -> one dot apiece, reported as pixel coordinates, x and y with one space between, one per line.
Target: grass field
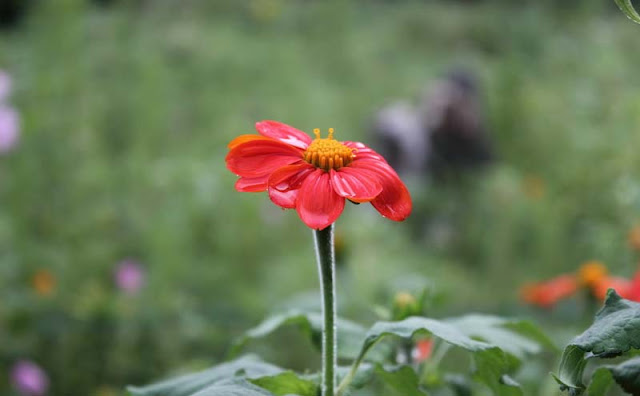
126 112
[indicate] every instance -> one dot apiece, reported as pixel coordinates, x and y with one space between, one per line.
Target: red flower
622 286
548 293
634 293
422 350
315 176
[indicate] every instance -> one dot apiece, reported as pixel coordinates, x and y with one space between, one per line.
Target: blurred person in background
441 137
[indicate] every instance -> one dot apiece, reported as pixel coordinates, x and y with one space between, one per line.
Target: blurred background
126 254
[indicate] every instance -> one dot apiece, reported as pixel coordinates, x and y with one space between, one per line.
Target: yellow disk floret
328 153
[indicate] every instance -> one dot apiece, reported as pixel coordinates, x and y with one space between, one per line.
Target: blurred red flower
622 286
314 176
546 294
423 350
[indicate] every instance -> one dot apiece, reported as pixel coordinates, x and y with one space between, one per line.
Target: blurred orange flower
634 238
546 294
592 272
43 282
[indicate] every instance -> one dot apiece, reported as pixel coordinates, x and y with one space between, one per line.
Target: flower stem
325 256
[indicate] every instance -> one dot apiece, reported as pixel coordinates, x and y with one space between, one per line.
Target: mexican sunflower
315 176
546 294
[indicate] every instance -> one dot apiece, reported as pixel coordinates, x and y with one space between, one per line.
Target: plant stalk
325 257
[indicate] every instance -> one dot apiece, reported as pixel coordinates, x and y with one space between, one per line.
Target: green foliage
233 388
350 334
616 330
491 362
248 367
629 10
402 380
287 383
572 365
627 375
520 338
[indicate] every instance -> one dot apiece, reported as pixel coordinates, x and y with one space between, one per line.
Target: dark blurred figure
12 12
443 136
456 126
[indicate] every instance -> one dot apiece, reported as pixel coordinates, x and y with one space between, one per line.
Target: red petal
363 152
252 184
634 293
290 177
358 185
284 133
261 157
318 205
394 202
245 138
284 199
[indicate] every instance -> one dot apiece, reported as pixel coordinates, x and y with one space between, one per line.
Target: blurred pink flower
9 128
29 379
129 276
5 85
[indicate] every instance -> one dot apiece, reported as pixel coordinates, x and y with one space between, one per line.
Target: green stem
325 256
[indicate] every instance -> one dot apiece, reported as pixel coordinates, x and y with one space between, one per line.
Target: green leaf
601 381
189 384
401 380
350 334
627 8
627 375
233 388
616 328
490 361
287 383
517 337
570 371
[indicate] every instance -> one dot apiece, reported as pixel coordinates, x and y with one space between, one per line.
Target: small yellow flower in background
404 299
534 187
634 238
43 282
591 273
404 305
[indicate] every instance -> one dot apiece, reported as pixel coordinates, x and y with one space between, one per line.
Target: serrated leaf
402 380
519 338
287 383
189 384
615 330
627 375
627 8
350 334
601 381
490 361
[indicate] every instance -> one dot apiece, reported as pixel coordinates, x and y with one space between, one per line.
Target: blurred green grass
127 111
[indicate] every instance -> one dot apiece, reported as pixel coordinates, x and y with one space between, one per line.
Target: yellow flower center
328 153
